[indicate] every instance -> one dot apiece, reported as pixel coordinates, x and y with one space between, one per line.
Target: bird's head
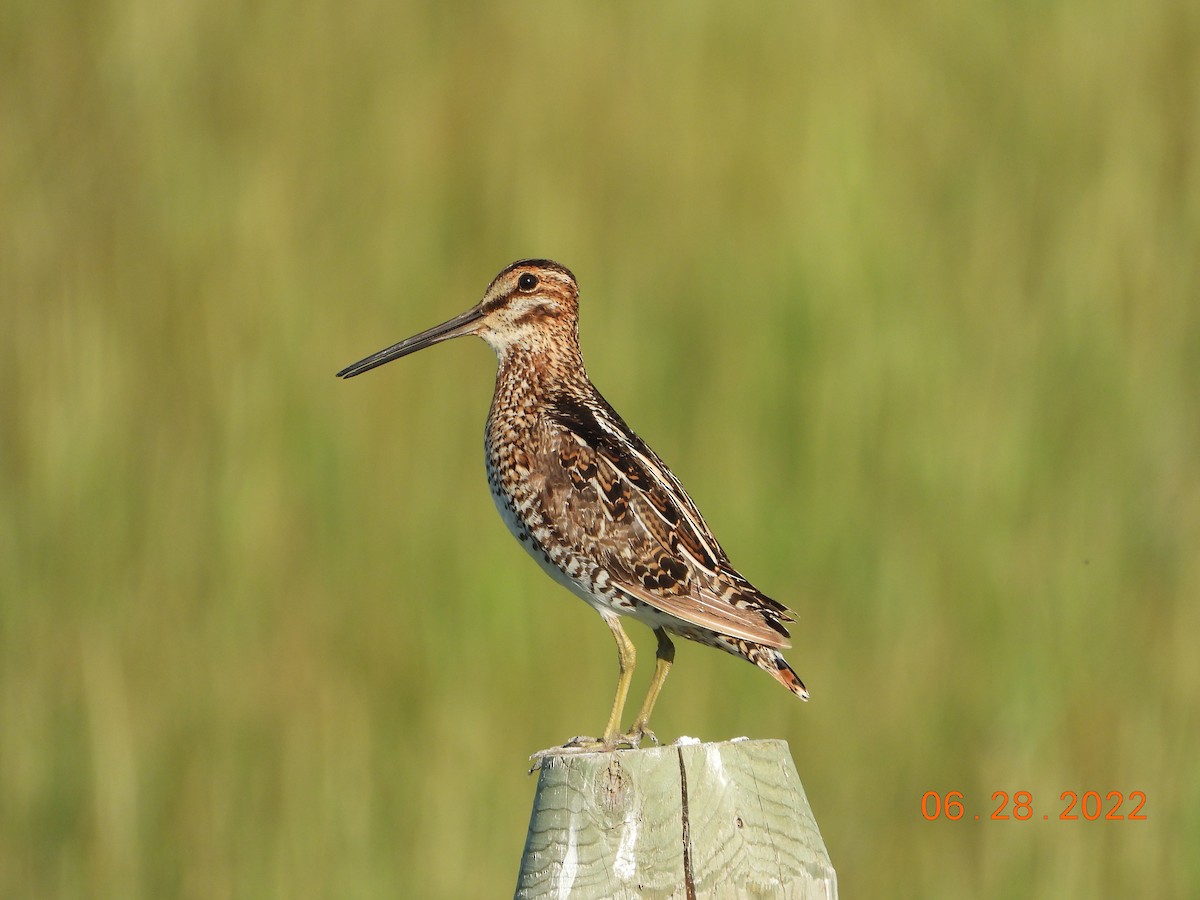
533 304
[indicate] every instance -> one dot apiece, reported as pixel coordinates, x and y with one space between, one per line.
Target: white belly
521 533
605 602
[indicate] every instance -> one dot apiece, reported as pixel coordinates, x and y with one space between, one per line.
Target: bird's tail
774 663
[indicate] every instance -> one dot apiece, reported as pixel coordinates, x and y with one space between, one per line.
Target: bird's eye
527 282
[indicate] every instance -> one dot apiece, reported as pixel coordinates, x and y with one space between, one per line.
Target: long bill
456 327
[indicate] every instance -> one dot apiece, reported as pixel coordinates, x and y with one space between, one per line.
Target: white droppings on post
570 867
625 862
716 764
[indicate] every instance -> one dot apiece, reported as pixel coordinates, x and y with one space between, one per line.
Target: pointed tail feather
785 675
765 657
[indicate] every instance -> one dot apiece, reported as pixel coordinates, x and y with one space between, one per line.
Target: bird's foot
584 744
631 739
635 735
579 744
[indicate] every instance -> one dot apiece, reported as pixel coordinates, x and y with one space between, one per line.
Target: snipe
590 502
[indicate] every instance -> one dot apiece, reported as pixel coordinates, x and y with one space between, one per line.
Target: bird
589 500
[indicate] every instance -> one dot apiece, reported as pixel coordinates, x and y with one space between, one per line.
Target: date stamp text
1113 806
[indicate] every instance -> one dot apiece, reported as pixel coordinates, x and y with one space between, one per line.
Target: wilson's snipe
590 502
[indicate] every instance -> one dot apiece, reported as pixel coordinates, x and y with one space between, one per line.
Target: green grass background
908 295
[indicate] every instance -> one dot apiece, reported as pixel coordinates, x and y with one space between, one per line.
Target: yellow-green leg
626 659
664 656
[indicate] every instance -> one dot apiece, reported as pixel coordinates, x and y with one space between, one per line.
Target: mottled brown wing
627 513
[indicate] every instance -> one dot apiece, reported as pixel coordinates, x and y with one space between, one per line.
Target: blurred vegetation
908 296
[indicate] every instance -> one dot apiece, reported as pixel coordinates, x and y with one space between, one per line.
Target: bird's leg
665 655
626 658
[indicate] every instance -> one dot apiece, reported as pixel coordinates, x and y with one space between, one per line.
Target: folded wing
617 505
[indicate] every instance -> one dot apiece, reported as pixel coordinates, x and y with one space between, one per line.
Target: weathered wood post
689 820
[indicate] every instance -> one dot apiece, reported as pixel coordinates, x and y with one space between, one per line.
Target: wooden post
689 820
